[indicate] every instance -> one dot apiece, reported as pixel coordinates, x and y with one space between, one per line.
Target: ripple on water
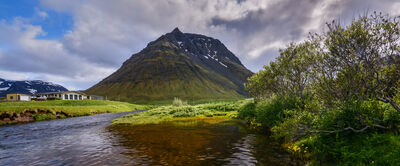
225 143
91 141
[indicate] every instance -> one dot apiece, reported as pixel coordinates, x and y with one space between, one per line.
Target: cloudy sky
76 43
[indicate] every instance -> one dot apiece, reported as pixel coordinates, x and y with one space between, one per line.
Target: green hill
188 66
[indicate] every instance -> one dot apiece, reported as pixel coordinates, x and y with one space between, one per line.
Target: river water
90 140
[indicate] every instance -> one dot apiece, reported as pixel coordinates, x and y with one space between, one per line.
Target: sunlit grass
72 107
212 112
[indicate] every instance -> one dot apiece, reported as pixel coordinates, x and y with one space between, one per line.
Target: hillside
189 66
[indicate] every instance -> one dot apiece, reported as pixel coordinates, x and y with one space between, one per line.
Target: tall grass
178 102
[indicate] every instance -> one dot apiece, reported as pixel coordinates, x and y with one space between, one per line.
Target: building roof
60 93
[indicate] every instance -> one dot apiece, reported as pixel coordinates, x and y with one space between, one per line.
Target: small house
18 97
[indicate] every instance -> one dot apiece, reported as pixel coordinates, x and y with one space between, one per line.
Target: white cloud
42 14
13 75
105 33
32 58
257 52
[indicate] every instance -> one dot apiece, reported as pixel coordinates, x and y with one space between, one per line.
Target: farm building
18 97
67 95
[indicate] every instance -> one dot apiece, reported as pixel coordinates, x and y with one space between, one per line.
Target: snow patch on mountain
4 89
32 91
223 64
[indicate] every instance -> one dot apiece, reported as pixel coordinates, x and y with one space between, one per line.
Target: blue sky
77 43
56 24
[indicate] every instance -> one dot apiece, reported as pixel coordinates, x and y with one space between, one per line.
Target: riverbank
210 112
349 146
21 112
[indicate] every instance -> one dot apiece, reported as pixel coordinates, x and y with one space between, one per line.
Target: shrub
392 118
178 102
247 111
361 149
226 107
270 112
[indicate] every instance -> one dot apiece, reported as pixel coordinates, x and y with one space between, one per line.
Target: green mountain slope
188 66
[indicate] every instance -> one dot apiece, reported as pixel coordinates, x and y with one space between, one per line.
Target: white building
67 95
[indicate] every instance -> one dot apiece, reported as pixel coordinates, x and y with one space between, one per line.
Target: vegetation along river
90 140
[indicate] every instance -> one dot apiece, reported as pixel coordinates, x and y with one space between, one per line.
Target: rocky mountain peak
176 31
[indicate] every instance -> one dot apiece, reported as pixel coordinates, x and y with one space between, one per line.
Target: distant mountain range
28 87
189 66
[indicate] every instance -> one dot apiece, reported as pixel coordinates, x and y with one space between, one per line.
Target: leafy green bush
224 106
351 149
392 118
247 110
356 133
271 112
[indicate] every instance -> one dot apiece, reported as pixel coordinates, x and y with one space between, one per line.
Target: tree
289 76
361 61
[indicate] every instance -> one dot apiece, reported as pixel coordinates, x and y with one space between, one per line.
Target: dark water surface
90 140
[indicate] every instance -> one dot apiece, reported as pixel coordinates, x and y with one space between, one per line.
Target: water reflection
198 143
92 141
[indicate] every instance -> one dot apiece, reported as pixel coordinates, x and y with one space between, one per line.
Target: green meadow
182 111
46 110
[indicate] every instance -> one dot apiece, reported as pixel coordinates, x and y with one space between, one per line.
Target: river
90 140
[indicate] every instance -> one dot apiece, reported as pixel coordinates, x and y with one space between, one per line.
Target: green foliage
271 112
392 118
186 111
247 111
41 117
362 149
337 92
224 106
289 75
220 110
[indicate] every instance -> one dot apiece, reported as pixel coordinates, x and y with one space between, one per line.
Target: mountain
28 87
189 66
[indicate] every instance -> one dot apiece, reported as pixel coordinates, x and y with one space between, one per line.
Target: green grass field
70 107
213 112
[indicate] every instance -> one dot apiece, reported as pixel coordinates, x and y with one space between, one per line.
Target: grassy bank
189 102
181 111
11 112
329 140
